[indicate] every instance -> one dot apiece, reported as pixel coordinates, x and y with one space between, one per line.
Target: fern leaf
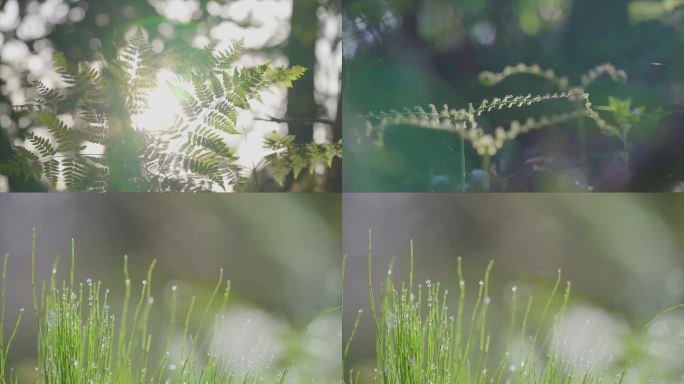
205 165
207 140
193 155
90 75
284 77
68 140
222 118
464 123
42 144
488 78
51 169
23 163
225 59
617 75
48 95
64 69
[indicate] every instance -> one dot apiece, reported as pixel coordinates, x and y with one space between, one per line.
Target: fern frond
205 139
205 164
222 118
95 124
489 78
95 89
247 83
290 157
284 77
90 75
210 110
22 163
193 155
225 59
276 141
464 123
510 101
233 174
52 172
203 92
48 95
84 173
135 68
42 144
62 67
616 75
327 152
68 140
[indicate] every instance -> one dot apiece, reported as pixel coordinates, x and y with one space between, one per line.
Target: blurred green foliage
621 252
406 53
274 248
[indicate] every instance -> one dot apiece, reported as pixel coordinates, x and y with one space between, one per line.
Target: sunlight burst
163 105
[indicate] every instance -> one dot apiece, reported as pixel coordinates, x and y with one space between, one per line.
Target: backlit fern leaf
194 154
135 69
211 102
284 77
68 140
64 68
90 75
205 164
226 58
289 157
210 141
222 118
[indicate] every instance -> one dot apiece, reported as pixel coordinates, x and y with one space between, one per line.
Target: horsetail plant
12 376
81 340
421 339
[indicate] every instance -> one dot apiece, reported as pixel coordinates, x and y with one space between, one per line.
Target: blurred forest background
406 53
624 255
304 32
281 253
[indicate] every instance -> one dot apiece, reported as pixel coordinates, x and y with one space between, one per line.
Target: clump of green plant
420 339
192 155
669 12
6 377
81 339
464 122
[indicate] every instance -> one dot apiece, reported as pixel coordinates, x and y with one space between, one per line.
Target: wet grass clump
421 339
82 339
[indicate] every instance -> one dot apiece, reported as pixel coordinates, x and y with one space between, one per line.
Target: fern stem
582 140
486 161
463 164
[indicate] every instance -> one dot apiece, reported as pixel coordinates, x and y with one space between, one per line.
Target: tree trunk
301 50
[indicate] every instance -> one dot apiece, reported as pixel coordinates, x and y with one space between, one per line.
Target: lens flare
163 105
